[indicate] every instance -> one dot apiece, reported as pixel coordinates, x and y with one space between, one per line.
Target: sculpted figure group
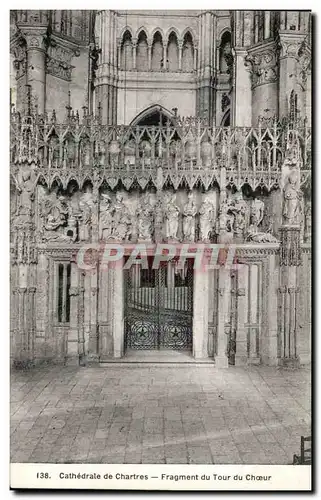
70 218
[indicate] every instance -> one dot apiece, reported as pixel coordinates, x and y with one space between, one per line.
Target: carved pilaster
290 248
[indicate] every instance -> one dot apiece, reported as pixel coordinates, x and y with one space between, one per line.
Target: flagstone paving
166 414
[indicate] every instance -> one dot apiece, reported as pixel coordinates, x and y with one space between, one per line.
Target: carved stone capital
59 58
289 45
241 292
282 289
262 64
293 289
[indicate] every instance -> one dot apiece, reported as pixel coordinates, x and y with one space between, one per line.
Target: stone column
134 42
242 103
149 55
200 314
93 354
195 57
241 355
73 334
269 343
290 260
36 66
221 360
262 62
165 54
267 24
180 49
118 308
288 59
107 72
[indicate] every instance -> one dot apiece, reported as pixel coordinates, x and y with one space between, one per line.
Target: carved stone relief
263 67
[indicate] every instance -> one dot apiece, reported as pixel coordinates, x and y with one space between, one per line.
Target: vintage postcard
160 243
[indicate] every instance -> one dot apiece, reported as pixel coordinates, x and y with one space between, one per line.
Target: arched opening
155 115
225 52
157 52
188 53
172 52
127 52
142 52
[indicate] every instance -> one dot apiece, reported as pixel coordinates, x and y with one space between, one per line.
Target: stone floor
166 414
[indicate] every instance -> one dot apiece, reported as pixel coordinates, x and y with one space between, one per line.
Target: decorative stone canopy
184 151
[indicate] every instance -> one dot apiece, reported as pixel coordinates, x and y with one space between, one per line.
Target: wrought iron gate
159 307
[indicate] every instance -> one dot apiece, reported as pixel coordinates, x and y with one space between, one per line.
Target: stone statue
54 212
256 217
240 213
257 212
85 205
225 223
292 196
172 214
145 219
189 214
106 218
121 220
206 219
26 186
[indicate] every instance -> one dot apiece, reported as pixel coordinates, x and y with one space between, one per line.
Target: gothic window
63 299
142 52
293 106
157 52
188 53
225 52
172 52
127 52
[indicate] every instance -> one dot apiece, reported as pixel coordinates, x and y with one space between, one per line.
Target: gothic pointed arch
188 52
157 51
172 51
224 51
153 115
126 51
142 51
